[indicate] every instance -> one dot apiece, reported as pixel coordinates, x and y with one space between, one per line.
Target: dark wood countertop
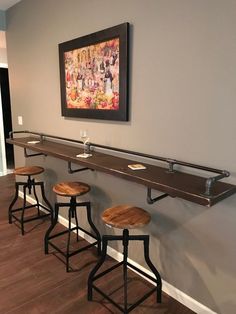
177 184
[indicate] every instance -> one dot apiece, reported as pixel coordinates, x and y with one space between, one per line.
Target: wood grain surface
28 171
126 217
177 184
71 188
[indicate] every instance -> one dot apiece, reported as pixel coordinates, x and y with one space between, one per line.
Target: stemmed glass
84 137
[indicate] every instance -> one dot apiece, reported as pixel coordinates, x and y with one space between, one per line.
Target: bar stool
125 217
72 190
29 184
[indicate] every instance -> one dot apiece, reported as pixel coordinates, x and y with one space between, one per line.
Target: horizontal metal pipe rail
171 162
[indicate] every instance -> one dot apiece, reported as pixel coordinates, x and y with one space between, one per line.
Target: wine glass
84 137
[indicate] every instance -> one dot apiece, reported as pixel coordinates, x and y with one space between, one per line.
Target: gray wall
2 20
182 103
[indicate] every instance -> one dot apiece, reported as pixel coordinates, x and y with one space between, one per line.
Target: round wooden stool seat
71 188
28 171
126 217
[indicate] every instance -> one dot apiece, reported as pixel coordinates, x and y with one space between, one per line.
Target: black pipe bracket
32 155
151 200
70 170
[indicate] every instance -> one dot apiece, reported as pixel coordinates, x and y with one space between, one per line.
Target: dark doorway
6 112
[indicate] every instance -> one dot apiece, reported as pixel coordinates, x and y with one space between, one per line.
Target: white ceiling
6 4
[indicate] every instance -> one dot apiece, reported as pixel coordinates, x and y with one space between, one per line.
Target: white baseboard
175 293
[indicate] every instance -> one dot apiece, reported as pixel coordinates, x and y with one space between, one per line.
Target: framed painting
94 75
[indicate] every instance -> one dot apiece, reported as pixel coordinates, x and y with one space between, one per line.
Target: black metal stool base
72 214
30 184
125 238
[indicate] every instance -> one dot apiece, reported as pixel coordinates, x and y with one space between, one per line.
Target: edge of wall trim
3 160
173 292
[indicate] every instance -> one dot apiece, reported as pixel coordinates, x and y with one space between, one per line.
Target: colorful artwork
92 76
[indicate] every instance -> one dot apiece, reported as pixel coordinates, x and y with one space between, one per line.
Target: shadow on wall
179 247
229 307
50 177
98 198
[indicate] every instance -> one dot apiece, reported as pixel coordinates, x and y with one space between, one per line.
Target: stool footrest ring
125 238
118 306
72 213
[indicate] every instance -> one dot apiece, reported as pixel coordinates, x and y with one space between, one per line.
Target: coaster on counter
33 142
84 155
137 167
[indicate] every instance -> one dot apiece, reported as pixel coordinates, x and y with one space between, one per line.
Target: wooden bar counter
175 184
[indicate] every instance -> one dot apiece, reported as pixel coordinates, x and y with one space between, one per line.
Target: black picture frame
108 90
